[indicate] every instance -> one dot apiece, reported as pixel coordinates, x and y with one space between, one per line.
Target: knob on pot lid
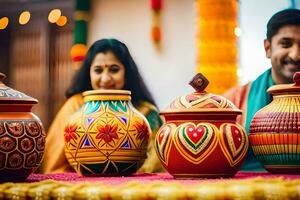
287 88
201 101
11 96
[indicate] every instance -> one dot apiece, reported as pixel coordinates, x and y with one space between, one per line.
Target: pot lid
201 101
287 88
11 96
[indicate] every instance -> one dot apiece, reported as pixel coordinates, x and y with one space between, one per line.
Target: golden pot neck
106 98
106 95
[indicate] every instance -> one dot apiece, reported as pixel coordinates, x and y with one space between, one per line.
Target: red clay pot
200 137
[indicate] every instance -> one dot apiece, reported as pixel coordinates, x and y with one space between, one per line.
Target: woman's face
107 72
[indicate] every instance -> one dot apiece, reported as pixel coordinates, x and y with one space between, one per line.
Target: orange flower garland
155 29
217 43
78 52
81 18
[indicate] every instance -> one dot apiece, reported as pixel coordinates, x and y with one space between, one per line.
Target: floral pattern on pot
106 137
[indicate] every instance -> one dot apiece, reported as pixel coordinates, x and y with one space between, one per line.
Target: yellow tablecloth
93 189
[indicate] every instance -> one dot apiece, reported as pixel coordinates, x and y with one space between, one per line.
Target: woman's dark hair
280 19
133 79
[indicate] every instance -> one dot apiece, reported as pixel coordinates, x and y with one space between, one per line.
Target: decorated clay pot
22 136
275 130
107 136
200 137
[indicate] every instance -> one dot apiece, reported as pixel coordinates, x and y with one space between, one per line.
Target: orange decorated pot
22 136
274 130
107 136
200 137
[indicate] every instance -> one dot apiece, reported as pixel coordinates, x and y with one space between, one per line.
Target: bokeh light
54 15
3 22
62 21
237 31
24 17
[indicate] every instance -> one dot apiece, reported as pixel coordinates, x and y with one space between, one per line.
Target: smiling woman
107 72
108 65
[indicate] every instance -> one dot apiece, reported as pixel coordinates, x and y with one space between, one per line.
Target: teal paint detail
92 106
280 159
116 106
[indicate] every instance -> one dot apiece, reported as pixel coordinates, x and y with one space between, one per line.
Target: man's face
284 52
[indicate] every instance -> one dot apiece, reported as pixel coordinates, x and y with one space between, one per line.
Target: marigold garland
217 43
156 6
78 52
81 17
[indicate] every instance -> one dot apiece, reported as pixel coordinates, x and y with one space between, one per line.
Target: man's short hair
280 19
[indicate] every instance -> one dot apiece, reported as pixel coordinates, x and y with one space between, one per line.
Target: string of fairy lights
55 17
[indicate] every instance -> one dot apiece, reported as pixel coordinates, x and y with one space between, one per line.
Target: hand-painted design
39 157
277 151
88 121
92 106
26 144
32 128
2 160
15 160
15 128
7 143
20 140
163 142
40 143
124 119
195 142
108 132
31 159
2 128
86 143
107 139
190 98
116 106
200 100
126 145
43 132
217 98
195 138
234 142
70 132
8 92
108 167
142 130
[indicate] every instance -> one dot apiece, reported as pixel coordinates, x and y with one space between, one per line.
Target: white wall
168 72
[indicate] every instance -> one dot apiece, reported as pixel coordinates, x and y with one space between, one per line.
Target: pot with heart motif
22 136
200 137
